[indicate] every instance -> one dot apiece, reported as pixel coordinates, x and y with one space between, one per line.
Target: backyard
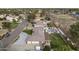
57 43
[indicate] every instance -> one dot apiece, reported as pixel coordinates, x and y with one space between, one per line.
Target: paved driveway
20 43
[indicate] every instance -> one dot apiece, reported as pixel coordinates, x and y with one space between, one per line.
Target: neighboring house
9 18
12 17
16 18
2 15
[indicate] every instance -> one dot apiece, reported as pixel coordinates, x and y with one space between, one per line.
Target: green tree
74 31
47 18
49 24
46 48
30 17
6 25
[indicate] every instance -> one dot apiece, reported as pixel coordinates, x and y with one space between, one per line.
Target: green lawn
14 25
28 31
57 43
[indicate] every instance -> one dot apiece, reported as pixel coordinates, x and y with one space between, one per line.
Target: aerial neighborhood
38 29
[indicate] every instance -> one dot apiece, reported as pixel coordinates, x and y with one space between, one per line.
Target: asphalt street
13 35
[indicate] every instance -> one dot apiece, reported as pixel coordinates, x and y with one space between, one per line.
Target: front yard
14 25
28 31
